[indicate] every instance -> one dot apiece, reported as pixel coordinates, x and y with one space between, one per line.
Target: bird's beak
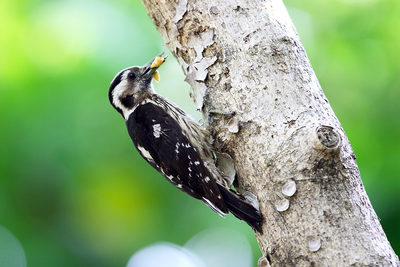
150 69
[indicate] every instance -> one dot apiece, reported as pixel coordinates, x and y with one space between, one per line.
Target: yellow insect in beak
158 61
156 76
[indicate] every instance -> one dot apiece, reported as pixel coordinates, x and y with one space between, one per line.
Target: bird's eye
132 75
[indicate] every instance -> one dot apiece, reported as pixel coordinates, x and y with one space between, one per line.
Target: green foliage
74 191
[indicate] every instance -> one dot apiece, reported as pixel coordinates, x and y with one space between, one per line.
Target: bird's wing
160 140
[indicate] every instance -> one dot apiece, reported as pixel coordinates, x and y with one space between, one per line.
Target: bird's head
130 85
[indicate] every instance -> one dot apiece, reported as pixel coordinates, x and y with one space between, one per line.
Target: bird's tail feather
241 209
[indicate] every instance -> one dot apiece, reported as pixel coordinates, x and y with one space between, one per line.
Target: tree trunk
288 147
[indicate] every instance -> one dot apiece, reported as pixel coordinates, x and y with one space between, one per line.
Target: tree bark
250 76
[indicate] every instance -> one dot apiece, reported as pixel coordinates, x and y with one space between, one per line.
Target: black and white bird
173 143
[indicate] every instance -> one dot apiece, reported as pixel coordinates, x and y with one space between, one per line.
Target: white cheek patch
118 91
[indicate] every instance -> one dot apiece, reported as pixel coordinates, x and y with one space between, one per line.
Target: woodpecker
174 144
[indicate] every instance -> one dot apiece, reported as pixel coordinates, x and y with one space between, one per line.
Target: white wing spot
144 153
197 163
207 179
179 185
157 130
177 148
170 177
213 207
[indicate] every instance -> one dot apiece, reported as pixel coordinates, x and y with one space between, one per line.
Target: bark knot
328 138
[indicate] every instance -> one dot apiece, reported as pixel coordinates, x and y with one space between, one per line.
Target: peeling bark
250 76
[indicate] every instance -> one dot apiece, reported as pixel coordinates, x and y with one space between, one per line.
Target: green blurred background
74 191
